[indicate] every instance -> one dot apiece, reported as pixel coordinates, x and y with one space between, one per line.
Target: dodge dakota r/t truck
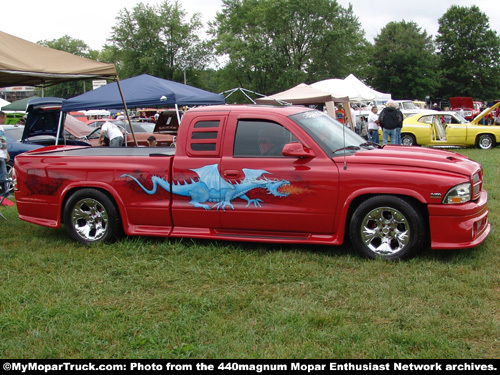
264 174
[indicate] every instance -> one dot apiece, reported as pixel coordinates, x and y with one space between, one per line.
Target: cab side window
257 138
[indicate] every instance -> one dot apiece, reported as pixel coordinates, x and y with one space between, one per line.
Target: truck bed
108 151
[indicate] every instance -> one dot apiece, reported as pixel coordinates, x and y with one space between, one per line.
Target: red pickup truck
262 174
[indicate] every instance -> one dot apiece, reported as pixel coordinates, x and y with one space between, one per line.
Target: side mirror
297 150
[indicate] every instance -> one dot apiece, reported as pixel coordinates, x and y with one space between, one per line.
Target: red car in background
467 104
142 131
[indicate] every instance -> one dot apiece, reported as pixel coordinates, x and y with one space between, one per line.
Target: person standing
151 141
340 114
391 122
4 154
114 133
373 126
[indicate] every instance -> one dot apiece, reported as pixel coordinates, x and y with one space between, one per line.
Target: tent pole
126 110
59 126
178 116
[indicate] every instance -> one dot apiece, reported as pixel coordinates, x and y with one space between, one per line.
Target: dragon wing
209 175
253 174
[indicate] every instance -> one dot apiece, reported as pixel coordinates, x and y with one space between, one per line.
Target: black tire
485 141
90 216
408 140
387 227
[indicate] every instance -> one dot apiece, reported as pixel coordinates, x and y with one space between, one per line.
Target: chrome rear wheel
90 216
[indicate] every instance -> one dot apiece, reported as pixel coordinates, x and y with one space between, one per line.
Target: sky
92 20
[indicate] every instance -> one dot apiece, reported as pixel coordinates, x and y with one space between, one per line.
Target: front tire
387 227
408 140
90 216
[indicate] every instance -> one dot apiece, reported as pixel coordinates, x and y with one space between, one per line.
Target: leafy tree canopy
404 61
272 45
158 41
469 52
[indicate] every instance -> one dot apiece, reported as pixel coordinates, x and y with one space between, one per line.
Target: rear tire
10 168
485 141
90 216
387 227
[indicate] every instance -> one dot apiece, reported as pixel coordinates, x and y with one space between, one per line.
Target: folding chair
5 194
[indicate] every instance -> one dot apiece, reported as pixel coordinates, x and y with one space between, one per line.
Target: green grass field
160 298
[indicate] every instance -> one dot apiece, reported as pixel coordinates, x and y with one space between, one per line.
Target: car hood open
43 120
461 101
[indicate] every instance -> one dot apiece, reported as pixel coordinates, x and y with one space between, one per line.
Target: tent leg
178 115
59 127
126 111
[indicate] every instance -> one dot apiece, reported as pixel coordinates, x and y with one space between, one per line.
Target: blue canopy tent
142 91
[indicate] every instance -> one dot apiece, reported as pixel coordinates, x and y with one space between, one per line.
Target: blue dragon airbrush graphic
211 187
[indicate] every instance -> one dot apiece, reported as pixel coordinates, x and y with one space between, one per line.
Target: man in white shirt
373 126
114 133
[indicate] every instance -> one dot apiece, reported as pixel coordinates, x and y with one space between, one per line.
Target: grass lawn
160 298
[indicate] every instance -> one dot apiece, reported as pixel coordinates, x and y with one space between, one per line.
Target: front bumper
459 226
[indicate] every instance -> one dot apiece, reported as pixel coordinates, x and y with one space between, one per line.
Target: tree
156 40
76 47
272 45
403 61
469 53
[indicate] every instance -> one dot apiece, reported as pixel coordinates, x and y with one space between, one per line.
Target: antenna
343 135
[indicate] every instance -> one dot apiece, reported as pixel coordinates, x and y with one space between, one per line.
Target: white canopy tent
362 88
307 95
352 87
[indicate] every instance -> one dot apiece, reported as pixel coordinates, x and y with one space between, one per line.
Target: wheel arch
491 135
113 197
417 204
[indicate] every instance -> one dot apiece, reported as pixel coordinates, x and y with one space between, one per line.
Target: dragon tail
155 180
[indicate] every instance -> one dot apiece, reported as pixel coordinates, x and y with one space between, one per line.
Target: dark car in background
42 123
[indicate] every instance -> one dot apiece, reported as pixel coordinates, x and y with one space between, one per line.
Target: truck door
273 195
196 182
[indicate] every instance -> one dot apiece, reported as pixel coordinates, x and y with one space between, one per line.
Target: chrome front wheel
385 231
388 227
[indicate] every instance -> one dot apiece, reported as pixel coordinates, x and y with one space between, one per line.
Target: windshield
330 134
460 119
408 105
16 133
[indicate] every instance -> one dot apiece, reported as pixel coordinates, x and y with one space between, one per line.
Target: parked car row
443 129
42 121
448 128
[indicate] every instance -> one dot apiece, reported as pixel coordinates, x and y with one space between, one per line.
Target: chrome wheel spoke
89 219
385 231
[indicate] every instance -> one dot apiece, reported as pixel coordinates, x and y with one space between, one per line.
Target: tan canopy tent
24 63
307 95
29 64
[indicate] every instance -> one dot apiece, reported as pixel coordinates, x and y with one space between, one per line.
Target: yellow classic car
448 128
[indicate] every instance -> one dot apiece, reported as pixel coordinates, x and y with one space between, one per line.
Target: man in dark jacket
391 122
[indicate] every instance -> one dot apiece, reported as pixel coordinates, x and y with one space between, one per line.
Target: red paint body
322 190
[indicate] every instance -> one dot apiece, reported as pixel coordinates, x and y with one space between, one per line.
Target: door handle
231 173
